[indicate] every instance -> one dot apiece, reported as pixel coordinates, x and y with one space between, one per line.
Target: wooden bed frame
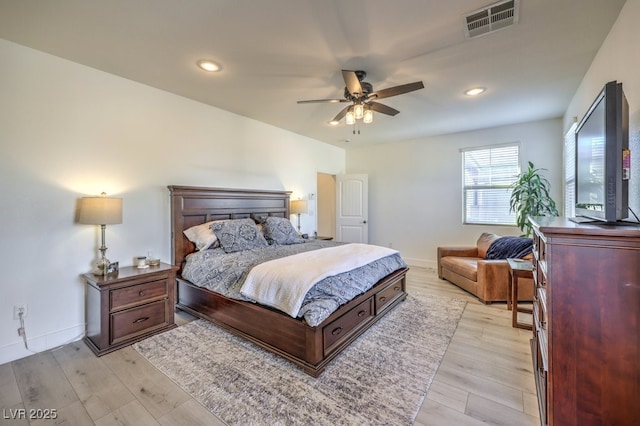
312 348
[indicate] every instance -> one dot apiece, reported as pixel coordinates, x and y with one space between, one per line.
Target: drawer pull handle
383 299
396 289
141 319
141 293
337 331
362 313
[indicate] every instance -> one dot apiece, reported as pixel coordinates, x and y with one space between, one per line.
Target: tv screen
603 157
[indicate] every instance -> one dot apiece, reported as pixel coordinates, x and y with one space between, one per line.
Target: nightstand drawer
137 294
130 323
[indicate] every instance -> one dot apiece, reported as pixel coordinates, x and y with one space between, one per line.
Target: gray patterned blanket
224 273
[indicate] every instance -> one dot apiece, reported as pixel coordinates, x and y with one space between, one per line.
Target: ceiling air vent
491 18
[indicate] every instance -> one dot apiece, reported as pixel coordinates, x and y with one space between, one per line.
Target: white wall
69 131
415 200
617 59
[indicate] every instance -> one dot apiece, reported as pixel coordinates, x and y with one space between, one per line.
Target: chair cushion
484 242
464 266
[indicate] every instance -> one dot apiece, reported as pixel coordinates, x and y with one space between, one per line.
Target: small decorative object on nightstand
113 268
129 306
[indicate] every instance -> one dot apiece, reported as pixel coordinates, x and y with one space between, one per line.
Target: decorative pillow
202 236
510 247
280 231
238 234
484 242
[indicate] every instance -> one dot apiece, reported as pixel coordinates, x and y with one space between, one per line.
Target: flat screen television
603 158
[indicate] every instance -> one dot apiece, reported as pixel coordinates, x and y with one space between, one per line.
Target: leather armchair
488 280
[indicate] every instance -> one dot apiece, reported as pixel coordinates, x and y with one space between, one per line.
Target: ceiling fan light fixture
350 117
367 118
358 111
209 65
475 91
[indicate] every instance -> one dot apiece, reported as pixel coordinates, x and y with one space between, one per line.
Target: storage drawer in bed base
337 331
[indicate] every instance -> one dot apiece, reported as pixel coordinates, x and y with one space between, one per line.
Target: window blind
488 173
569 171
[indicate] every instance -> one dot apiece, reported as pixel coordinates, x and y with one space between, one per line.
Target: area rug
381 378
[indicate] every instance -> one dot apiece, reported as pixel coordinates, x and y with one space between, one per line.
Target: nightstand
128 306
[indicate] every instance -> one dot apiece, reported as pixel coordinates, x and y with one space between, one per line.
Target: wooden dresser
129 306
586 334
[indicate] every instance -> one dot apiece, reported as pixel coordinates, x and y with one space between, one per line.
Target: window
569 170
488 173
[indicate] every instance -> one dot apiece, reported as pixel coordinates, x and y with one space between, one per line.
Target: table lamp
101 211
298 207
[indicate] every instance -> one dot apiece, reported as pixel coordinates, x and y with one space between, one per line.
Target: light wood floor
485 378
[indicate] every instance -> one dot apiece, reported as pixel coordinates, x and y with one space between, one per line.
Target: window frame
506 186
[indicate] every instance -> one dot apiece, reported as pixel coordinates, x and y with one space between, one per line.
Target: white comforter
283 283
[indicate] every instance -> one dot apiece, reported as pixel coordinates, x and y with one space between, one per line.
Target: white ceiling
276 52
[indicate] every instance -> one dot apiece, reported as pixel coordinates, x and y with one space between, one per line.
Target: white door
352 210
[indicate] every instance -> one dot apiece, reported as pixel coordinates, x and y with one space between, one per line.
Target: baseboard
42 343
422 263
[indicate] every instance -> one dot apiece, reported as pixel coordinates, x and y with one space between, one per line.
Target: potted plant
530 197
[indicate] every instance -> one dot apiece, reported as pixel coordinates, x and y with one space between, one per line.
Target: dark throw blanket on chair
509 247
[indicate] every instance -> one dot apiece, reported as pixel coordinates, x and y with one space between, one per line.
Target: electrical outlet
17 309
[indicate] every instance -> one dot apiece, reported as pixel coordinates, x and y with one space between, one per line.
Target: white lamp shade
100 211
298 206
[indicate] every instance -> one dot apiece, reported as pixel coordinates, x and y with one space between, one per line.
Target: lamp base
102 265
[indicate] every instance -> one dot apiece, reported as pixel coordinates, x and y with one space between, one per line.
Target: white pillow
202 235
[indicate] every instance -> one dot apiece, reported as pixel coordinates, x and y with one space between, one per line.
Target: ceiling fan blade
331 101
381 108
341 114
352 82
396 90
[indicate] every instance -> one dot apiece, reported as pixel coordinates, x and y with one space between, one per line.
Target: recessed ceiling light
209 65
334 122
475 91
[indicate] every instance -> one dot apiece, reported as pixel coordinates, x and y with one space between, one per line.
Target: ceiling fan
362 97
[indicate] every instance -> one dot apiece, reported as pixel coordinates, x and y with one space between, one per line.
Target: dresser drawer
133 322
388 295
340 329
138 294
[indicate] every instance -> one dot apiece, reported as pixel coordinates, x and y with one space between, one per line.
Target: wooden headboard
192 205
